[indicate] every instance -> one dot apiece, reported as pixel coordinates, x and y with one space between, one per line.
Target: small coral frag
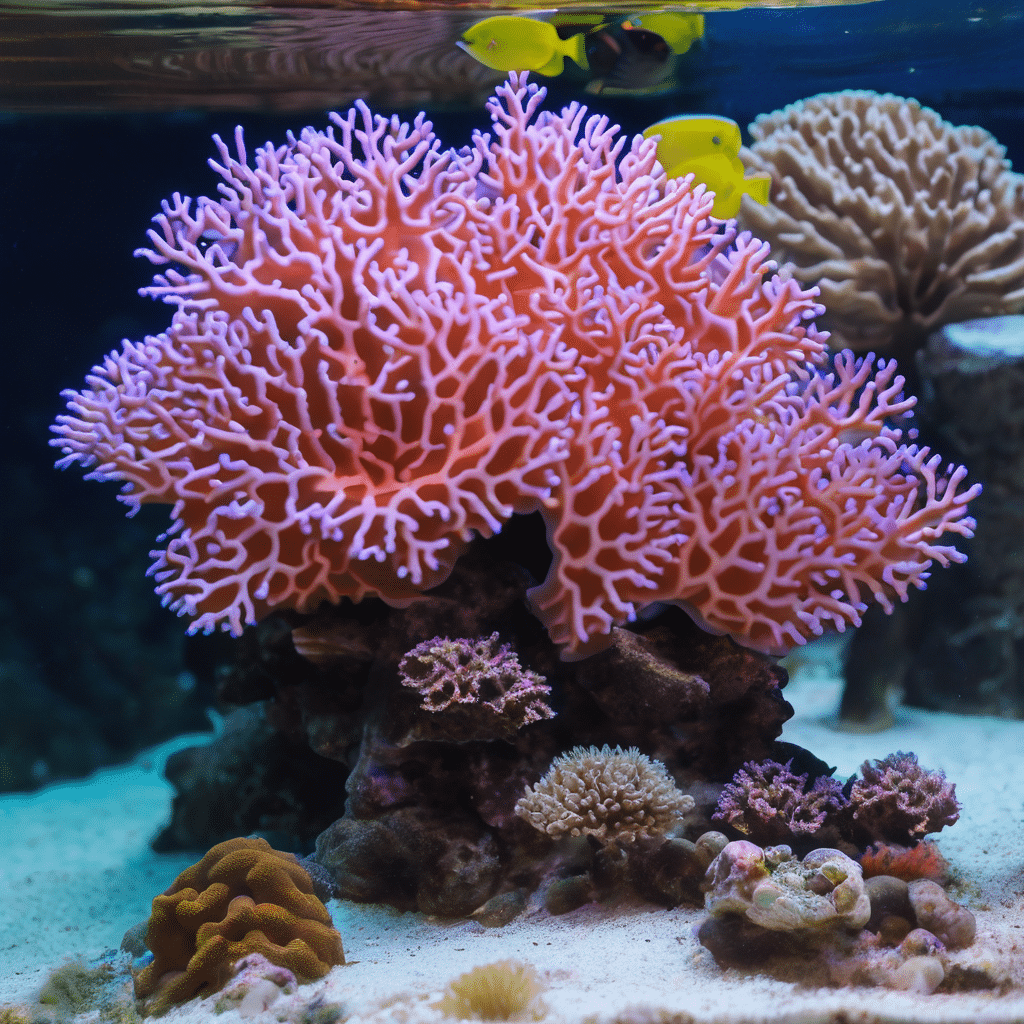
505 990
899 801
477 688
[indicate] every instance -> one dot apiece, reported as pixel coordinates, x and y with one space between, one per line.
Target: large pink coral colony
381 347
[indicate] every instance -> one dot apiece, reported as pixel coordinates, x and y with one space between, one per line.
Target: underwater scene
512 513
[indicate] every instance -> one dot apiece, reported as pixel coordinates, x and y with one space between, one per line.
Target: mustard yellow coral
242 897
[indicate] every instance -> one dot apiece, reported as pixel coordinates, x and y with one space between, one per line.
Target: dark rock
568 894
250 780
446 865
667 871
499 910
889 897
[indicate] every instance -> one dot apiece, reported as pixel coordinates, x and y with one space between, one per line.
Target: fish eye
716 140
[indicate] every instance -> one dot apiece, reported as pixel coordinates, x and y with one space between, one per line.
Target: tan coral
243 897
903 220
612 794
504 990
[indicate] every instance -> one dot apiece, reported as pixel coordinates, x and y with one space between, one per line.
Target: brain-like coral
770 803
243 897
903 221
381 348
898 801
612 794
476 688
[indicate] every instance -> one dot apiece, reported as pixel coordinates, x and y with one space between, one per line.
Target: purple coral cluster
478 685
771 804
895 800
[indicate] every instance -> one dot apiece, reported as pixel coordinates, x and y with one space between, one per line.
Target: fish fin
554 67
758 187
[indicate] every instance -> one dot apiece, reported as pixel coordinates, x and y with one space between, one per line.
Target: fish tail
576 50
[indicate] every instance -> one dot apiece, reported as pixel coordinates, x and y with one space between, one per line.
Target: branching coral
380 348
771 804
243 897
614 795
476 687
898 801
903 221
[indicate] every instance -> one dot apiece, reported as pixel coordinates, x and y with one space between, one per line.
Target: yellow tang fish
509 42
709 148
680 31
627 52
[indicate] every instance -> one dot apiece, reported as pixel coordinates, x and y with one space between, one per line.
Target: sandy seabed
76 872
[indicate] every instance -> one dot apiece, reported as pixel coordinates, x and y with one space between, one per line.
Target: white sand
76 872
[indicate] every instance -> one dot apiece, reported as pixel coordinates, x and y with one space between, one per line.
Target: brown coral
243 897
477 688
904 221
612 794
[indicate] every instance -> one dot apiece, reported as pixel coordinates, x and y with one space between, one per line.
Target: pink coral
476 687
898 801
381 348
771 804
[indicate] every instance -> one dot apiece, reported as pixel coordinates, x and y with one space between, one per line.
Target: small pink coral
898 801
771 804
476 687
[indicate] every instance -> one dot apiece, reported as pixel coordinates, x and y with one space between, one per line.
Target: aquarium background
92 669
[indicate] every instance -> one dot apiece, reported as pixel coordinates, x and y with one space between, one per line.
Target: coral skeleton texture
381 348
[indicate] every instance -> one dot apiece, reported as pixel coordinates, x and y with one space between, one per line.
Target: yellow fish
709 148
680 31
631 53
509 42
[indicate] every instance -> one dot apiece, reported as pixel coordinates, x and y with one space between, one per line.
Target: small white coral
612 794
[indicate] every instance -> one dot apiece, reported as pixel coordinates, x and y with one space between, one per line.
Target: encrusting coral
905 862
613 795
381 348
476 688
243 897
904 222
775 891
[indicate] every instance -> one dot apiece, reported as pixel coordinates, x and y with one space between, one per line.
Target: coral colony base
383 351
